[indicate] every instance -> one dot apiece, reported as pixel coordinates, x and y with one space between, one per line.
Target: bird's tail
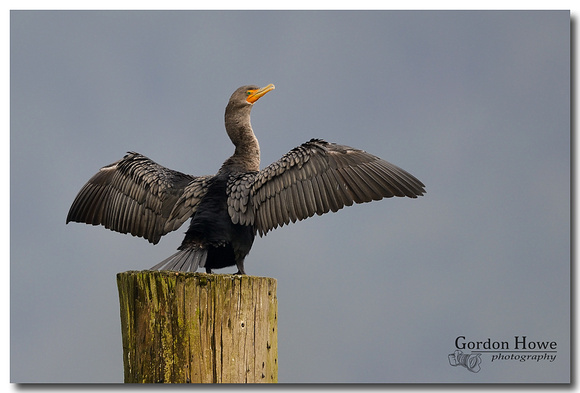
187 260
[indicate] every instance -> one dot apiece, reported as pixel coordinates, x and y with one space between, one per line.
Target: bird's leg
208 270
240 265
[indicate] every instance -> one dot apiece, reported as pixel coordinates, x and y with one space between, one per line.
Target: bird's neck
246 157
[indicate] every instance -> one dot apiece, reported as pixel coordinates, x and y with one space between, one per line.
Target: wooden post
195 327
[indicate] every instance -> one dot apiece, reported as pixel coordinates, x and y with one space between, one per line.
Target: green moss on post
196 327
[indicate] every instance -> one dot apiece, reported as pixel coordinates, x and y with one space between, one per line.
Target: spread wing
138 196
315 178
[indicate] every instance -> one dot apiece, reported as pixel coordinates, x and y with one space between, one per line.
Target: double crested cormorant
138 196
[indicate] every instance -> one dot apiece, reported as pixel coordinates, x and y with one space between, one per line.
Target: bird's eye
248 92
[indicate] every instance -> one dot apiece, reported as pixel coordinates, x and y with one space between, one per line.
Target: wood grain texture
200 328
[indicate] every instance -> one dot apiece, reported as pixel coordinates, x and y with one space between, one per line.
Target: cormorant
138 196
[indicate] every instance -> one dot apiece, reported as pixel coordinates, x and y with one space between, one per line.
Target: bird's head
249 94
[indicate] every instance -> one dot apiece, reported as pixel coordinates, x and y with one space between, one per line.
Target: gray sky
475 104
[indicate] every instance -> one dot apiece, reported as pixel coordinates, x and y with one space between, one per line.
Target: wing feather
344 196
318 177
330 193
138 196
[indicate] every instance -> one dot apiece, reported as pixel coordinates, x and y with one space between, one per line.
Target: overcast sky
474 104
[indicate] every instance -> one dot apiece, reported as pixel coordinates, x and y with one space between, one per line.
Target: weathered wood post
195 327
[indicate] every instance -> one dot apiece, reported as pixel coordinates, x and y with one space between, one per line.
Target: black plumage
138 196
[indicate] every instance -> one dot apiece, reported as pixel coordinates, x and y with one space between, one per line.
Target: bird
227 210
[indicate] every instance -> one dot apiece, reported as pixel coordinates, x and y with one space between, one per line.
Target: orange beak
256 94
